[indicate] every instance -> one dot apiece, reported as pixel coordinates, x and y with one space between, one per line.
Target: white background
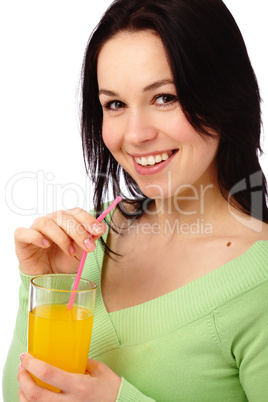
42 47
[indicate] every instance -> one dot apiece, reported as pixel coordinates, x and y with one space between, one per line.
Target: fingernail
98 228
72 250
21 357
90 244
45 243
19 366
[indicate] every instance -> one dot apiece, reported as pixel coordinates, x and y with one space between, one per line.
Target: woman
171 100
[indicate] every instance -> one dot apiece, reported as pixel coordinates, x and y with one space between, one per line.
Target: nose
140 128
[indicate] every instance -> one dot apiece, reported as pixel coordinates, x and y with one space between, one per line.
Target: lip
146 171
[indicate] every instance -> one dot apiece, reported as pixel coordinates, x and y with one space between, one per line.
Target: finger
30 391
91 224
92 367
95 368
25 236
80 225
47 373
75 230
21 395
51 230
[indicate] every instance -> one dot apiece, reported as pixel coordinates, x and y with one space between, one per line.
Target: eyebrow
150 87
157 84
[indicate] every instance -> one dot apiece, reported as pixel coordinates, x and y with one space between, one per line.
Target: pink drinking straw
84 255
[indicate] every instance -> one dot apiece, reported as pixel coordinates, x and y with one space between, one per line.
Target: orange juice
60 337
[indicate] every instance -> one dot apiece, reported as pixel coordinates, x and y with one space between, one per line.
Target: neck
195 210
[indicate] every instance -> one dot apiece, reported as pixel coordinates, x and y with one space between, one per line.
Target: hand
55 242
100 385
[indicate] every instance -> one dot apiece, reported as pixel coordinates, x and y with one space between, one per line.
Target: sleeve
18 345
128 392
243 329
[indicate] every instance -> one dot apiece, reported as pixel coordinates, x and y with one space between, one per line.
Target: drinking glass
59 335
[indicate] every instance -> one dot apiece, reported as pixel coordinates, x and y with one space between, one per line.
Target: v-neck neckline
191 298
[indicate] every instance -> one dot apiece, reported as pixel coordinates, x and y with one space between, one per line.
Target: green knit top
206 341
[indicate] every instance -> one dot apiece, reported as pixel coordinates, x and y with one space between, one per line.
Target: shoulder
256 232
246 228
264 231
243 321
253 235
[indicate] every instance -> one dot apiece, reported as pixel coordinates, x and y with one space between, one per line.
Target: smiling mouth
152 160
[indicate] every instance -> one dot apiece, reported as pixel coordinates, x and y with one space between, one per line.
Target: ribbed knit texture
206 341
194 326
193 300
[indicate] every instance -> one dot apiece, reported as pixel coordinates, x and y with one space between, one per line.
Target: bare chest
148 270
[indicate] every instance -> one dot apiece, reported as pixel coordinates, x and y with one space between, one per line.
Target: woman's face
143 124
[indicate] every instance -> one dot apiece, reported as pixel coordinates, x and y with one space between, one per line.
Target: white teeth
143 161
152 160
164 156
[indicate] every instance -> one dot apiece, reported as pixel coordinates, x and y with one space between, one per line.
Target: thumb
92 367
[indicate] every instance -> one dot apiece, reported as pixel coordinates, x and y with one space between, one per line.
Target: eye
164 99
114 105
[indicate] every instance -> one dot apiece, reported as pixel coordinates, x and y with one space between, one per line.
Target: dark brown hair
216 87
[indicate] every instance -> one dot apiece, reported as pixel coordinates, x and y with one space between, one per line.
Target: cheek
177 127
111 137
185 132
204 154
188 137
